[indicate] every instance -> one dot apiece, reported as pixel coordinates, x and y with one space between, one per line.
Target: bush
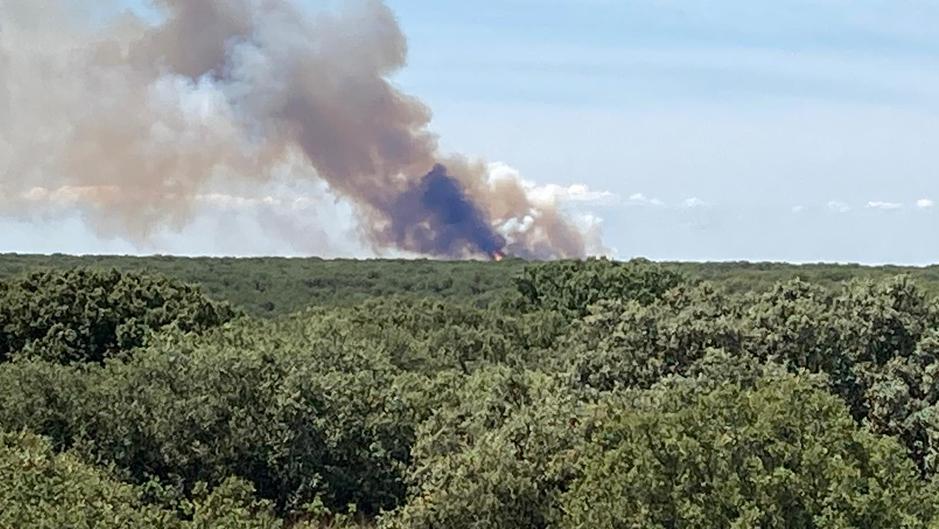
430 336
42 490
298 413
87 316
849 335
782 453
631 345
571 287
492 455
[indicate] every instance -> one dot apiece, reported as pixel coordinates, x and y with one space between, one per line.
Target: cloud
639 199
798 209
838 207
925 203
877 204
552 193
573 193
235 202
693 202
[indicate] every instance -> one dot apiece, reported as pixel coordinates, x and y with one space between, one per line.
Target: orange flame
497 256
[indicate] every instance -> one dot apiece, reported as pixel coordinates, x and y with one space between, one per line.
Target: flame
497 256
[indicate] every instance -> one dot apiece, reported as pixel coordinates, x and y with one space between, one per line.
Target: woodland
303 393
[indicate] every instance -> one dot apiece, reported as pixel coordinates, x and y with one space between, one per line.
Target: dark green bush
40 489
298 412
780 454
599 394
493 453
571 287
430 336
633 345
87 315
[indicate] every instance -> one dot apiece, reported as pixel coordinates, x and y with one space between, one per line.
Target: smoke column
132 119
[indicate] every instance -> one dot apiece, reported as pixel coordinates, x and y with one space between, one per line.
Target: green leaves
87 316
299 415
781 453
599 394
42 490
571 287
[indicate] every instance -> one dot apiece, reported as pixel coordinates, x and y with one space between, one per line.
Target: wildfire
497 256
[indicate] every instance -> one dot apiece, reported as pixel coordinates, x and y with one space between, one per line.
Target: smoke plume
133 119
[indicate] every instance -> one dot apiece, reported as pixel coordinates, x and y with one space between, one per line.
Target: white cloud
693 202
69 195
640 199
838 207
227 201
573 193
798 209
925 203
552 193
878 204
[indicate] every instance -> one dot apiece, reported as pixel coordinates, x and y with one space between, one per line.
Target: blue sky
789 130
798 126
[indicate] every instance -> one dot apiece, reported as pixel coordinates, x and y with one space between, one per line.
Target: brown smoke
132 120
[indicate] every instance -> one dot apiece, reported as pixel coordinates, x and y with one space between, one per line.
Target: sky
799 131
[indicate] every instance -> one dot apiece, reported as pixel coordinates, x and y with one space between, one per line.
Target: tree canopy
590 394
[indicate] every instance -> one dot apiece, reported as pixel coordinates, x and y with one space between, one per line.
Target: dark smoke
132 122
436 217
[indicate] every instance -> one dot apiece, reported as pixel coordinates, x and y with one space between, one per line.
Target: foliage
626 344
571 287
87 316
272 286
491 454
429 336
43 490
299 417
782 453
579 394
275 286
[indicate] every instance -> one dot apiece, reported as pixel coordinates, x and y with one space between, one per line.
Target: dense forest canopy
276 286
303 393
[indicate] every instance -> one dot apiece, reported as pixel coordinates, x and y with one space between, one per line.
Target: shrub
571 287
87 316
42 490
298 413
491 456
782 453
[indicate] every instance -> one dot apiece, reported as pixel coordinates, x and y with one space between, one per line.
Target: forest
304 393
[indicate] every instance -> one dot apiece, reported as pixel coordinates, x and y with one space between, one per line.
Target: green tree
630 345
492 454
298 412
42 490
782 453
571 287
87 316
